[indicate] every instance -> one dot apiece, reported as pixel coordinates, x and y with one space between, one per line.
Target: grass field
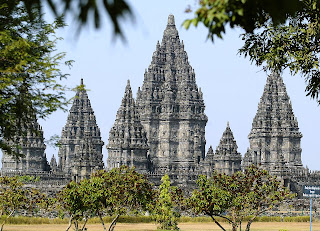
257 226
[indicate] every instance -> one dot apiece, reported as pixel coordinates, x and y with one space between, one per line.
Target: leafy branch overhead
85 11
247 14
278 35
30 84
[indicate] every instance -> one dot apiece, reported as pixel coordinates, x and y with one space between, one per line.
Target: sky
231 85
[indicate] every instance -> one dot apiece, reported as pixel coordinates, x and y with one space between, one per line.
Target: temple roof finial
81 82
171 20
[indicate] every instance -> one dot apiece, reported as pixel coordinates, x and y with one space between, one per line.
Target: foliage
117 192
15 196
278 34
165 208
217 14
294 45
71 200
122 191
243 194
29 71
53 141
83 11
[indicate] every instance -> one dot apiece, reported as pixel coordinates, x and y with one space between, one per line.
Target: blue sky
231 85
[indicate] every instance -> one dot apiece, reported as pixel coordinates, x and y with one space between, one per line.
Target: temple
162 131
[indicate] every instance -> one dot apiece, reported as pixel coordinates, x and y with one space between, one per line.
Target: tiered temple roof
81 118
31 145
275 133
227 159
171 107
127 138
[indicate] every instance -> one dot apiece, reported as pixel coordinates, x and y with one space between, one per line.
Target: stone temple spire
53 164
208 164
127 138
81 117
275 132
171 107
32 147
227 159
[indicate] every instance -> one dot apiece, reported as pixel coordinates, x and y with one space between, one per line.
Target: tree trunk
84 225
250 222
113 223
70 223
1 228
102 222
234 226
215 221
248 225
76 225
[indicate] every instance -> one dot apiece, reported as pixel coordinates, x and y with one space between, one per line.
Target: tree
83 11
293 45
168 200
118 192
124 192
247 14
243 194
29 73
278 34
71 200
15 196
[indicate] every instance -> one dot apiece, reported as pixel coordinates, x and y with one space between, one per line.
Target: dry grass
257 226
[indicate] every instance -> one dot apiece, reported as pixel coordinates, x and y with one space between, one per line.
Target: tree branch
113 223
215 221
70 222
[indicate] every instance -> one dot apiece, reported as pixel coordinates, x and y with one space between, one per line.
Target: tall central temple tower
171 106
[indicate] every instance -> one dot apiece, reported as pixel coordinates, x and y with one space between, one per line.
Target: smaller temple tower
80 131
53 164
127 138
275 136
32 147
227 159
208 163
